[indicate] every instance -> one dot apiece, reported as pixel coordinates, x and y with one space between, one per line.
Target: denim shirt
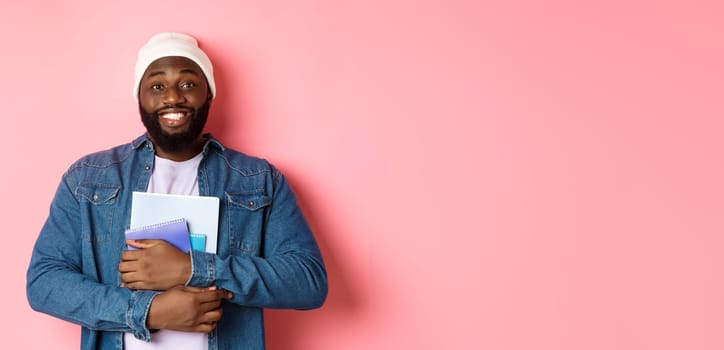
266 254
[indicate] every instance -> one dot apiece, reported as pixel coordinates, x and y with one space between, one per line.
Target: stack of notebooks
187 222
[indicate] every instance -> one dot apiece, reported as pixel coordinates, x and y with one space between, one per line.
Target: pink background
480 174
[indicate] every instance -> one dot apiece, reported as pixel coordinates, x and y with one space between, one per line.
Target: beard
173 143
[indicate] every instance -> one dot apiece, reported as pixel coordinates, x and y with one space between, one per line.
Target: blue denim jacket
266 253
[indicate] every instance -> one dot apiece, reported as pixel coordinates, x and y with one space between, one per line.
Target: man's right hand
187 309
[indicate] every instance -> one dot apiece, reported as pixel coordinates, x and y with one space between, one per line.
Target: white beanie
173 44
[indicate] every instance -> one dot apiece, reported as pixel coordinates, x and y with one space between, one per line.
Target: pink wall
480 174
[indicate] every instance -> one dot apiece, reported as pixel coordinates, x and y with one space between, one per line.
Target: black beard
172 143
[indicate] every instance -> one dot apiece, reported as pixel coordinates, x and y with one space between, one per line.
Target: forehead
172 65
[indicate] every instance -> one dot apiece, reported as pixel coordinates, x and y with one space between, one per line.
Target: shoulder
105 158
100 162
242 163
238 162
97 173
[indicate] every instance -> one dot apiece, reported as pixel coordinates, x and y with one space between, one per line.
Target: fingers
224 294
142 243
199 289
211 316
134 280
127 266
135 285
208 306
205 327
131 255
211 296
128 277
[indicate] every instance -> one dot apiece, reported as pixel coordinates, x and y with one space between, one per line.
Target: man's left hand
156 265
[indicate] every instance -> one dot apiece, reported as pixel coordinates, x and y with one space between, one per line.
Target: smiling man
158 297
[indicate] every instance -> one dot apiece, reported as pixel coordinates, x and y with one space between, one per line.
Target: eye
188 85
157 87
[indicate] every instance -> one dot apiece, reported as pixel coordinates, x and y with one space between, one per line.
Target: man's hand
187 309
157 265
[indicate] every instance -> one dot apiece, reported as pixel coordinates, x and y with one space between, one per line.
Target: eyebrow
190 71
185 70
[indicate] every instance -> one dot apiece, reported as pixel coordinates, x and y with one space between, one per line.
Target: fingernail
212 288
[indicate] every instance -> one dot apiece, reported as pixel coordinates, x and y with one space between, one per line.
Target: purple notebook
175 232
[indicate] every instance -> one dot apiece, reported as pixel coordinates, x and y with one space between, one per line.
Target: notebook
175 232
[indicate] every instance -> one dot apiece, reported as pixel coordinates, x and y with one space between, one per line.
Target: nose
172 96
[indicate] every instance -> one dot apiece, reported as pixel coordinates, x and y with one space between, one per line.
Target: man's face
174 102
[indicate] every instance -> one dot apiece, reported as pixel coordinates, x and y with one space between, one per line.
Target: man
157 296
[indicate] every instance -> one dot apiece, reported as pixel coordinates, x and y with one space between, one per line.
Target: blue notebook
175 232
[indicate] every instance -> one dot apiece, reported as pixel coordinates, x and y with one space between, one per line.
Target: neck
182 154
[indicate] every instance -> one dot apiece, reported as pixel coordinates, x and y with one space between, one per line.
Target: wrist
154 320
186 271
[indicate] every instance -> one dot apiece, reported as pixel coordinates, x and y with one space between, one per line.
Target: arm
57 286
290 272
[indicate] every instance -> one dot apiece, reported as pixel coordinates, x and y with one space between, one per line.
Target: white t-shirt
170 177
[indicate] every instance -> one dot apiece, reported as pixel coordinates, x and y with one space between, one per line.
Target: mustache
176 106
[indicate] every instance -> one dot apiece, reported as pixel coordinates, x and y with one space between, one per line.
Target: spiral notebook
175 232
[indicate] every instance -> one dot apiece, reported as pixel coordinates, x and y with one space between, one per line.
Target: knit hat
173 44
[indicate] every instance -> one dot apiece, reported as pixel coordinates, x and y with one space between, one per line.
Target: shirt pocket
246 212
97 205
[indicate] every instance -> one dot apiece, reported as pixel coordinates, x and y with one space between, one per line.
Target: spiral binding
155 226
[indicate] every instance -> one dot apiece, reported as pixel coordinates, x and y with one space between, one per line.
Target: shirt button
147 167
251 203
95 196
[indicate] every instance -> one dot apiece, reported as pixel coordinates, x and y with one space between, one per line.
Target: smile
173 115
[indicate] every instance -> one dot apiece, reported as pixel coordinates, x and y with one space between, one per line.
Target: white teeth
173 116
